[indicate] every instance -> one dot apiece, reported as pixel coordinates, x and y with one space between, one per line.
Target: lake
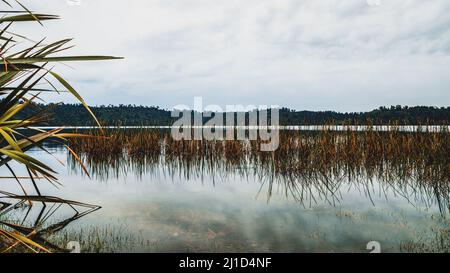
159 207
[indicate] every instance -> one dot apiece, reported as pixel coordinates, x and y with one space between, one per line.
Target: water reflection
36 219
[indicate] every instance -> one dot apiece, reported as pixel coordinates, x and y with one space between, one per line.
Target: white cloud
328 54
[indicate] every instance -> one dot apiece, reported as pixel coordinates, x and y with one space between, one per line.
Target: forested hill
76 115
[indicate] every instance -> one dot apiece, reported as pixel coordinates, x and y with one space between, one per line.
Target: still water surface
165 211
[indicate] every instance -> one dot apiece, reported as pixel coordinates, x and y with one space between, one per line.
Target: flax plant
26 72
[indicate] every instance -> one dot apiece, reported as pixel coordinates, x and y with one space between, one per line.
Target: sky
347 55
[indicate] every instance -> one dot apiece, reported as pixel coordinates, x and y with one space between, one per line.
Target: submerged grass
436 241
103 239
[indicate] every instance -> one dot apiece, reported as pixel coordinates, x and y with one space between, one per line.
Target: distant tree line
132 115
402 115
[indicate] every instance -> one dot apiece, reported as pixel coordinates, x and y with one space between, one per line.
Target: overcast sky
347 55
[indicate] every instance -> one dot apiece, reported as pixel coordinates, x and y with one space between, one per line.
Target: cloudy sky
346 55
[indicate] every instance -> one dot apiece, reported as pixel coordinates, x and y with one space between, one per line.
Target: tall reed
304 160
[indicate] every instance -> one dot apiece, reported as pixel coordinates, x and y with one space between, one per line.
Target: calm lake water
163 210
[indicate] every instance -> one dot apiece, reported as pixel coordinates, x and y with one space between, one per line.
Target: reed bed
305 162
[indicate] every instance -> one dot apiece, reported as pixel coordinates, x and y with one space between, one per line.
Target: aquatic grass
414 164
101 239
434 240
